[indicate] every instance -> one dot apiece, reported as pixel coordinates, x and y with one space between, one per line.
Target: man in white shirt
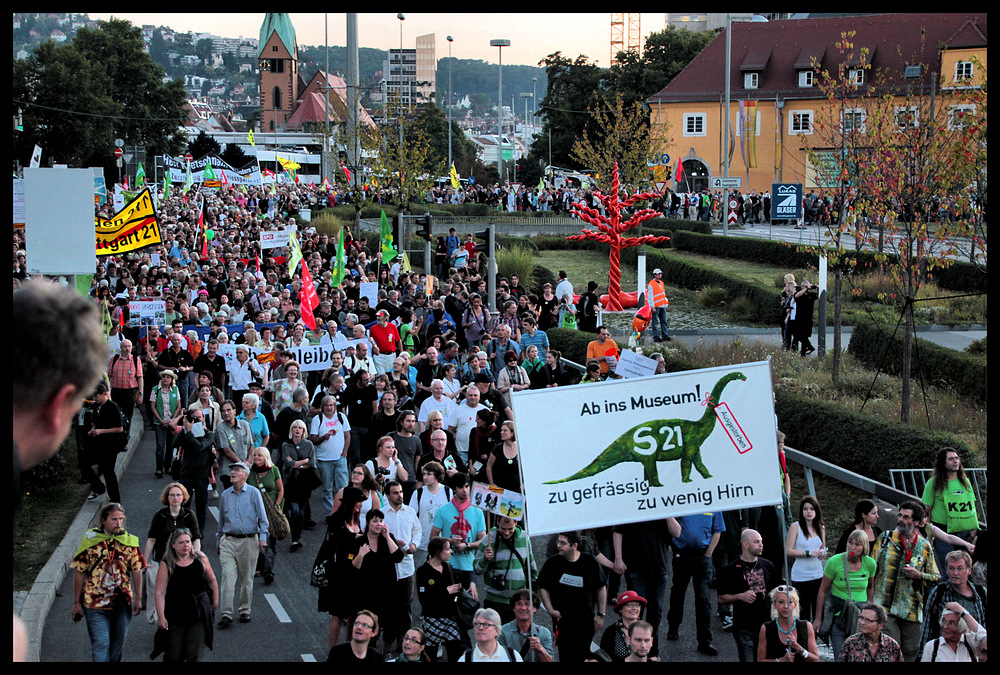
330 432
437 401
564 287
486 629
404 526
462 420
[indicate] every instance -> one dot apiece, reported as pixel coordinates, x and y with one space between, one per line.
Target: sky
532 36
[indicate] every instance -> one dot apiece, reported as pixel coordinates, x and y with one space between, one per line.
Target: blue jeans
335 477
659 317
108 629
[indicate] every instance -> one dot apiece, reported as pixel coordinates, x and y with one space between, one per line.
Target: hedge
695 276
959 276
878 348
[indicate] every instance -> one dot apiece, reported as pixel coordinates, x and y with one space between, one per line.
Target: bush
539 277
712 297
518 259
509 241
571 343
879 349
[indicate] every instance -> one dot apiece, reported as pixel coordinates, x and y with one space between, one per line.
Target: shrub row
878 348
959 276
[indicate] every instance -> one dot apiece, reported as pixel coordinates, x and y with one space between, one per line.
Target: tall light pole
448 101
526 96
500 43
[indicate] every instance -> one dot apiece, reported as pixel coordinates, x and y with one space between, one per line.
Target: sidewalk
33 606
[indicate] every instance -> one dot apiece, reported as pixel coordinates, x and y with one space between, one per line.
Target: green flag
388 249
167 183
209 173
296 255
338 267
140 177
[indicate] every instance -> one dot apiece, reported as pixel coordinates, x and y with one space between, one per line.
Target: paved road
286 626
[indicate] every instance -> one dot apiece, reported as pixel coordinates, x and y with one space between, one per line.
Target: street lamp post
500 44
448 101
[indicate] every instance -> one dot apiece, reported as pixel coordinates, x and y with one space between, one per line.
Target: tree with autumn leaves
902 161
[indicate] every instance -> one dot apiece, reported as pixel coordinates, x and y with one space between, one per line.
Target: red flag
679 175
347 172
308 298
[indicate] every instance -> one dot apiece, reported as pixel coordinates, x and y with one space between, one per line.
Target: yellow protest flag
132 228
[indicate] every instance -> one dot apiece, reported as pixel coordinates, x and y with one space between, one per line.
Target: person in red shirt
386 338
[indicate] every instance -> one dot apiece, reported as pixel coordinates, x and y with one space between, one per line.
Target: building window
800 122
856 76
963 70
854 121
960 116
806 78
694 124
751 80
906 118
276 98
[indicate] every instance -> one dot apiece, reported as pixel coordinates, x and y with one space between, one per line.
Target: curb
33 607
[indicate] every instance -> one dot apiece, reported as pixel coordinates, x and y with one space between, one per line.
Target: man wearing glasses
359 649
486 630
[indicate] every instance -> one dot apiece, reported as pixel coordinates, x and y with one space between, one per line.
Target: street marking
308 658
214 510
279 611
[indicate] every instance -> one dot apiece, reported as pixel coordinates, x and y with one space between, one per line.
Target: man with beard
905 570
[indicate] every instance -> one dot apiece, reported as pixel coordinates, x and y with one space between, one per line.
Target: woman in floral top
871 645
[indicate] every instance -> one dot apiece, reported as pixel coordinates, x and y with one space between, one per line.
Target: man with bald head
745 583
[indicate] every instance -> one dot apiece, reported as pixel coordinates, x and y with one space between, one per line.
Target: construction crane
625 26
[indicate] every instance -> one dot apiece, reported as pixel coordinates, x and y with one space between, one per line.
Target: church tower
279 71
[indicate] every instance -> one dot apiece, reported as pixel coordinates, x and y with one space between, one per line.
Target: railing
907 484
914 480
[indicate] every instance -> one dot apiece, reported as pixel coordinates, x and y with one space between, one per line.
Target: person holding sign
604 350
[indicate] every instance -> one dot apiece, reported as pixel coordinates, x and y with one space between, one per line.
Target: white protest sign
274 239
369 289
497 500
147 312
647 448
631 364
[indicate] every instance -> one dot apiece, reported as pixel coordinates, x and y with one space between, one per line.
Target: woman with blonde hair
786 637
265 477
187 595
847 577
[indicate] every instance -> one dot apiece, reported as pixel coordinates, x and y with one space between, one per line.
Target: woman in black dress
187 596
343 539
375 564
502 468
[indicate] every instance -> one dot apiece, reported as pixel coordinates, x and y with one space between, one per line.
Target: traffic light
487 245
424 225
397 233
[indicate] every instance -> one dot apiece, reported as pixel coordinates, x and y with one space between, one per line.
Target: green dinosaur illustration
681 439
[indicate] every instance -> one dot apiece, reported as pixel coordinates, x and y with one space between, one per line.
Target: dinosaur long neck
709 417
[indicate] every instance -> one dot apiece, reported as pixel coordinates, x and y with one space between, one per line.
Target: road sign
786 201
726 183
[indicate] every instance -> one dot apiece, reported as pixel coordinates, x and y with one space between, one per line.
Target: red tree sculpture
611 228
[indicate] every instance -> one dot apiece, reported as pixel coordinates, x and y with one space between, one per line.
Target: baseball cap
657 271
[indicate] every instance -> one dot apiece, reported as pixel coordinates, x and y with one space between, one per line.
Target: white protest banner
317 357
631 364
275 239
647 448
497 500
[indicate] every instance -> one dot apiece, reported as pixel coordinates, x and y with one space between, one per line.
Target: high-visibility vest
656 294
